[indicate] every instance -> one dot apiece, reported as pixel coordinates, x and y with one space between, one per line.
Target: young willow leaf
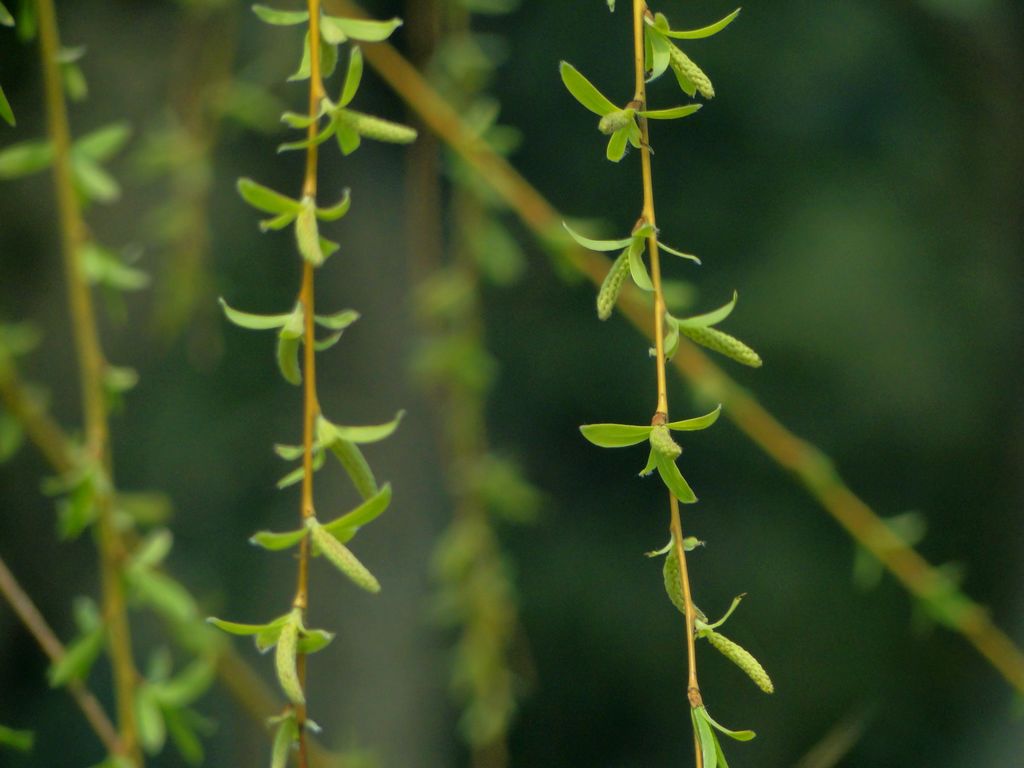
251 321
637 268
277 541
339 321
313 640
285 739
673 478
709 747
285 660
746 735
25 158
102 144
328 433
265 199
584 91
708 31
741 657
6 19
78 658
616 148
337 30
235 628
672 113
335 212
5 110
328 60
345 527
353 77
597 245
22 741
700 422
342 558
150 720
280 18
288 360
710 318
615 435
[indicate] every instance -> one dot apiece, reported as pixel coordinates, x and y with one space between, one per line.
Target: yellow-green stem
91 370
310 403
661 412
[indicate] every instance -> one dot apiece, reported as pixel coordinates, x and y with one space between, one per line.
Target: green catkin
742 658
721 342
613 121
376 128
686 68
662 442
343 559
670 572
284 661
612 286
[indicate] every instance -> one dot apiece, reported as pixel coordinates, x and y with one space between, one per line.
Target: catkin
375 128
721 342
686 68
613 121
612 286
662 442
670 572
742 658
343 559
284 661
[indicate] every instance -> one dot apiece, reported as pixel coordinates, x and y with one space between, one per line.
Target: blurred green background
859 179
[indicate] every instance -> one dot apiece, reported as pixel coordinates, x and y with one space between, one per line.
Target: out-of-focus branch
811 466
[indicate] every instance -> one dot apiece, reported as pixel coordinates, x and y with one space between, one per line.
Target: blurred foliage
861 182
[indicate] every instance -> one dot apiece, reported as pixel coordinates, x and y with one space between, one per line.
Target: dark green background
858 179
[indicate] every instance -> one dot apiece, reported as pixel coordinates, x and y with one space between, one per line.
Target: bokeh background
859 179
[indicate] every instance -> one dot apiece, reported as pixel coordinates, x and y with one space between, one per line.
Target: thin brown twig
811 467
92 367
26 610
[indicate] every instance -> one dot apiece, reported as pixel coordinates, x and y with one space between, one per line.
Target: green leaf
674 252
254 322
25 158
6 113
285 659
78 658
307 236
745 735
295 324
328 433
597 245
288 360
153 549
321 345
235 628
710 318
328 248
615 435
328 60
187 686
277 541
167 597
93 182
584 91
342 558
659 53
335 212
673 478
285 738
671 113
700 422
355 466
103 267
5 17
346 526
265 199
150 720
179 724
102 144
280 18
313 640
338 321
705 737
617 145
353 76
337 30
708 31
21 741
637 268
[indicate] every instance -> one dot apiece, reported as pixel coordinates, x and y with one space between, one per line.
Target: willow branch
812 468
91 368
26 610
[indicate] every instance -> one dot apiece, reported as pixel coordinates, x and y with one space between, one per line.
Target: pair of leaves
631 259
291 328
87 156
660 53
705 727
161 707
619 122
663 450
304 213
347 125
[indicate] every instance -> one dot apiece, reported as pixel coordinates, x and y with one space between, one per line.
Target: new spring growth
700 330
660 53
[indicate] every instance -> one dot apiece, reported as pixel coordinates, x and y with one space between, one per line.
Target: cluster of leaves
287 633
476 589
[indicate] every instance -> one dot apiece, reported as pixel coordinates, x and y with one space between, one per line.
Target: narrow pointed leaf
78 658
615 435
288 360
597 245
745 735
700 422
710 318
280 18
335 212
617 145
346 526
672 113
285 738
650 466
236 628
5 109
266 199
295 324
584 91
673 478
251 321
278 541
348 138
102 144
6 20
367 434
150 720
674 252
313 640
322 345
93 182
364 30
637 268
705 737
708 31
659 48
353 77
338 321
